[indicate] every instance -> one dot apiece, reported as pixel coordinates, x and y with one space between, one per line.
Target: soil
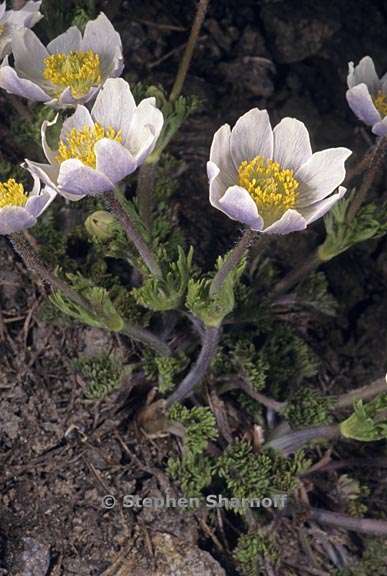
59 453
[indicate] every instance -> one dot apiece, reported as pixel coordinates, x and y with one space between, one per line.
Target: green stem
34 263
232 260
375 163
114 205
189 49
199 370
144 192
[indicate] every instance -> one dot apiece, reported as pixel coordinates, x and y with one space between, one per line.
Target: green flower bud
101 224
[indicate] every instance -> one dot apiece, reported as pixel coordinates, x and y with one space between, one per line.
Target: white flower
18 210
10 20
70 71
100 148
269 179
367 95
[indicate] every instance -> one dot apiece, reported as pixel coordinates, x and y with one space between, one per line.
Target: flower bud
101 225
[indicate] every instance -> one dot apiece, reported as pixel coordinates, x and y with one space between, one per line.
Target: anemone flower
10 20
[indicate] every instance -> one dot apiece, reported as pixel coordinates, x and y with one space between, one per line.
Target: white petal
291 144
380 128
69 41
145 129
10 82
114 160
46 172
67 100
37 204
101 37
27 16
291 221
49 153
2 9
320 175
251 136
80 119
237 204
217 185
77 180
115 106
14 219
317 210
220 154
365 73
361 103
29 54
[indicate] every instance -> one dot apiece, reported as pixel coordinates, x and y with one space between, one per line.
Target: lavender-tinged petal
28 16
77 180
251 136
36 205
291 144
220 155
217 185
380 128
47 173
113 160
291 221
29 53
101 37
145 129
49 153
115 106
238 205
69 41
80 119
10 82
361 103
319 209
14 219
321 175
363 73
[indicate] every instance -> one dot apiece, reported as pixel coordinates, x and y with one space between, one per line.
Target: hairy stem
199 370
293 441
144 192
363 393
298 274
114 205
189 49
364 525
232 260
34 263
374 166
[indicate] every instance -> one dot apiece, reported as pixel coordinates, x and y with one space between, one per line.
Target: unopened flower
269 179
10 20
19 210
367 95
70 71
98 149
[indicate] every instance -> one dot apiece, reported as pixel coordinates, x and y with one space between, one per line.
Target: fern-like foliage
253 549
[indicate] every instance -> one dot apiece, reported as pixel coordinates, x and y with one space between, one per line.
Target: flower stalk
189 49
115 207
144 192
197 373
232 260
34 263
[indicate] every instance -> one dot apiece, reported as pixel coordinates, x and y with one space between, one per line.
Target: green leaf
368 421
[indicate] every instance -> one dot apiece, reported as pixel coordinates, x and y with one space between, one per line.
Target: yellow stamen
273 188
2 28
80 143
12 194
381 103
77 70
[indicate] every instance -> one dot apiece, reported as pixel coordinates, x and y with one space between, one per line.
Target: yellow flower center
78 70
80 143
12 194
273 188
2 28
381 103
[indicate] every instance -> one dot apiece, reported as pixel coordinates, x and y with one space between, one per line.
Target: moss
253 549
102 373
307 408
373 561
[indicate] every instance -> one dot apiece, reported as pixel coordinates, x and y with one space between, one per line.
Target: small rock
35 558
251 75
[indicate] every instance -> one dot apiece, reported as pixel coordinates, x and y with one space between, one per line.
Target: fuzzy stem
363 393
199 370
293 441
34 263
375 163
232 260
114 205
364 525
144 192
296 275
189 49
